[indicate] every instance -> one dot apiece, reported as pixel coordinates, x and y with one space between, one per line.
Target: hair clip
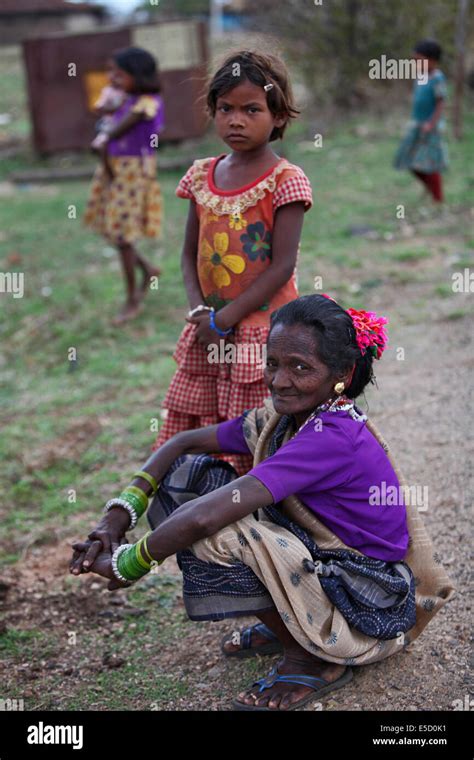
268 87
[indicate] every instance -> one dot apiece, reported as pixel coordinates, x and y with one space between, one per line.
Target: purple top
137 141
341 472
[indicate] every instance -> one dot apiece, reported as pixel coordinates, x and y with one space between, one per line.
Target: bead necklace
340 404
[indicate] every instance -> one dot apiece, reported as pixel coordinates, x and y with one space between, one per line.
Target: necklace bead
340 404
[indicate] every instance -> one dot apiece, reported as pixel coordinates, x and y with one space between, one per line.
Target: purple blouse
341 472
137 141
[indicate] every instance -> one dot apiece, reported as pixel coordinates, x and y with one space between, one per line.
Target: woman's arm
200 441
189 257
113 525
207 514
191 522
286 237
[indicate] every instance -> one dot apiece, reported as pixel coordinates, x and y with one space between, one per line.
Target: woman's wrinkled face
297 379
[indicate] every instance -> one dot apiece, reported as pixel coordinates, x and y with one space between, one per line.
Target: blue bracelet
212 322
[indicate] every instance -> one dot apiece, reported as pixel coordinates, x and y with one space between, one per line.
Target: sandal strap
267 681
273 677
264 630
302 680
246 635
245 638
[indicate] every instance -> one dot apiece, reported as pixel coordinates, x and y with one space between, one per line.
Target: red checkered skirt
203 393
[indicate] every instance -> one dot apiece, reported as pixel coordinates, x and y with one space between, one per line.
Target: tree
459 71
333 42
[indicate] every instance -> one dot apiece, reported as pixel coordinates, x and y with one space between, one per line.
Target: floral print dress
129 206
234 248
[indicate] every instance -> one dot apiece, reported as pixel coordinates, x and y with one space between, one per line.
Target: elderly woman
307 540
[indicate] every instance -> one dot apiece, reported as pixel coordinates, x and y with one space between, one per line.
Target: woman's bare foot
281 695
131 310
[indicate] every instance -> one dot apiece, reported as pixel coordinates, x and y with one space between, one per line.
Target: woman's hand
204 333
102 565
426 127
106 537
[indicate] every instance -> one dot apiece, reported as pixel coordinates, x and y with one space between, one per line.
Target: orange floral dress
234 248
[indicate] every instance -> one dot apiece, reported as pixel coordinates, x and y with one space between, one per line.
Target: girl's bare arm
189 258
124 125
436 113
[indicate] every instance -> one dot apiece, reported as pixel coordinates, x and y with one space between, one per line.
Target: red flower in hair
370 331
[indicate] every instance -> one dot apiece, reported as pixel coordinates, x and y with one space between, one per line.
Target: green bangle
129 566
149 478
140 560
144 543
134 502
139 493
145 548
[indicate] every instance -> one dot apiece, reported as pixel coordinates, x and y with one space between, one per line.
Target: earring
339 387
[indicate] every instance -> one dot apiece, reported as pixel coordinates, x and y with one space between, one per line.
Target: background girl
241 245
125 197
422 150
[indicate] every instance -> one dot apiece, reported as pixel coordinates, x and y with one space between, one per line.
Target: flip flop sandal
320 686
273 646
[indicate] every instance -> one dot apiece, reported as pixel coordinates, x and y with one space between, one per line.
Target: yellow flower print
216 261
237 221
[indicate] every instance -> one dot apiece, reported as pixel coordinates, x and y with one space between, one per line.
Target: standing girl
125 197
422 150
240 250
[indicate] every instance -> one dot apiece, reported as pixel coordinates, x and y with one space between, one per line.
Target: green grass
411 254
30 643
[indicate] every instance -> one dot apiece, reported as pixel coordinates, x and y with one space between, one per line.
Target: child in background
422 150
125 198
241 244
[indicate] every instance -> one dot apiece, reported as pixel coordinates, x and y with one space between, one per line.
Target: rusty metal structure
65 71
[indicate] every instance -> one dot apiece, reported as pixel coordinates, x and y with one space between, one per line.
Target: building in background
222 15
20 19
61 100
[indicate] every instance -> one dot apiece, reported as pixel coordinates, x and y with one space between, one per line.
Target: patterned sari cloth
336 602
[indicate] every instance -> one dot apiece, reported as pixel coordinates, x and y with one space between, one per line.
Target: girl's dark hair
336 337
260 69
429 48
142 66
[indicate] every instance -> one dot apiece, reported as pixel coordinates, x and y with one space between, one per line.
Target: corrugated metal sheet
59 101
